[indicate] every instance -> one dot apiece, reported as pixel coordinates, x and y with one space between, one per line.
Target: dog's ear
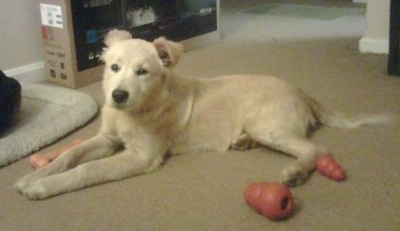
168 51
115 36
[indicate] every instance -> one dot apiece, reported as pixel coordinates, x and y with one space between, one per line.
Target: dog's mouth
118 105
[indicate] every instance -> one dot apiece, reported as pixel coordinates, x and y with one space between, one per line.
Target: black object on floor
394 39
10 101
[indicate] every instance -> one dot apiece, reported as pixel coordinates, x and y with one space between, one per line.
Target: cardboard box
73 31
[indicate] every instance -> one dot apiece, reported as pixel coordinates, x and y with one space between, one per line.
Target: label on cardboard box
51 15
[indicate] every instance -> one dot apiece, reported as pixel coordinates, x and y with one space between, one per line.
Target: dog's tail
331 118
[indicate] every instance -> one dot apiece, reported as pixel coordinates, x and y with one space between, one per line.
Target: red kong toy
328 167
273 200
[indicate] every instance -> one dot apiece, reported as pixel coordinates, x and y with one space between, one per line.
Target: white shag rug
47 114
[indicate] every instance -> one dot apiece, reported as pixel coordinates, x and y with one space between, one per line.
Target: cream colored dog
150 111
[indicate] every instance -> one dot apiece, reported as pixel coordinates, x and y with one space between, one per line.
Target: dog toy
10 101
40 160
273 200
328 167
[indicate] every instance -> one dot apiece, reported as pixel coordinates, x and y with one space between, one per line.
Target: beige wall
20 36
376 39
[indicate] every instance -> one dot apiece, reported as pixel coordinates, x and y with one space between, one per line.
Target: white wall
20 37
376 39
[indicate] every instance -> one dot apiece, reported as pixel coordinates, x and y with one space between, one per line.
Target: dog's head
134 68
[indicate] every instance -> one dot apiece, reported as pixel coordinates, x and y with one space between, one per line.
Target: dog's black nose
120 96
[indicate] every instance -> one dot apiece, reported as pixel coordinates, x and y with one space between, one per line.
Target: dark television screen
144 12
146 19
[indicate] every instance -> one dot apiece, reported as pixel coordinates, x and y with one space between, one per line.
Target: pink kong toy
40 160
328 167
273 200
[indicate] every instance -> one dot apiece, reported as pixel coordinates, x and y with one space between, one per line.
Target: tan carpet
205 191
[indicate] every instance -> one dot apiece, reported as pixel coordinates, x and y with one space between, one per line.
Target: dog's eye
115 68
141 71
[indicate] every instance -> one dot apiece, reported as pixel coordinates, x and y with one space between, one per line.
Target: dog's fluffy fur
150 111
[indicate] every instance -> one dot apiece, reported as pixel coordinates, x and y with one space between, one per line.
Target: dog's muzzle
120 96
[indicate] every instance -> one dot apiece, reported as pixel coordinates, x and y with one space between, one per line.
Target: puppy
150 111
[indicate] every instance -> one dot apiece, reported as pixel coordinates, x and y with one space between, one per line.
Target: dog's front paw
20 185
23 183
294 176
33 189
36 190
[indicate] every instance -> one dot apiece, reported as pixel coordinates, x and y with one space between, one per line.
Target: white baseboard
377 46
33 72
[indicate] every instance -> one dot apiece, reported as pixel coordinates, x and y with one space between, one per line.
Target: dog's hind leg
244 142
304 150
306 153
